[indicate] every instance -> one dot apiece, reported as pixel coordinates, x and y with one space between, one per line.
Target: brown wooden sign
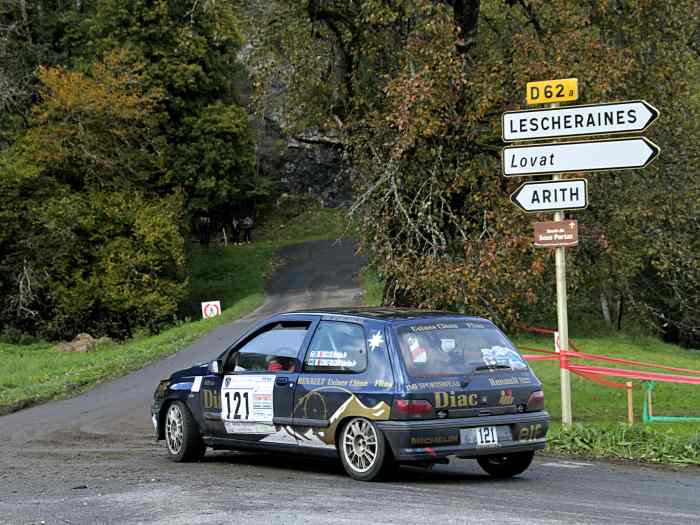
556 233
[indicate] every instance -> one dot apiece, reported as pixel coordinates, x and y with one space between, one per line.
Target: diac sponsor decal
211 399
452 400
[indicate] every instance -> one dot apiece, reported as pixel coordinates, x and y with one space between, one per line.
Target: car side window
274 350
337 347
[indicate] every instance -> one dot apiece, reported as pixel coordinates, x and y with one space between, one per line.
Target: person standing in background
235 231
204 231
247 228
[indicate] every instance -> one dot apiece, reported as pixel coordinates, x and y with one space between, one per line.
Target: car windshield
460 347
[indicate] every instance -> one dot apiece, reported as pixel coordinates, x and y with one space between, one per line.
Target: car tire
504 466
182 437
363 450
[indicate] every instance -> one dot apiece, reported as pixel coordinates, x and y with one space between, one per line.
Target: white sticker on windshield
502 356
418 353
447 345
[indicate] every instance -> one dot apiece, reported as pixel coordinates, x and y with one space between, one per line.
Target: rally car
376 387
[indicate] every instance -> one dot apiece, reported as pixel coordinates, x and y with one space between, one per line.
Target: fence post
630 400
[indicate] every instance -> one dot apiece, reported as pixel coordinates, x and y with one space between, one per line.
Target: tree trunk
620 304
605 307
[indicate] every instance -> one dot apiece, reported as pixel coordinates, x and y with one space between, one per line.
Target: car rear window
455 348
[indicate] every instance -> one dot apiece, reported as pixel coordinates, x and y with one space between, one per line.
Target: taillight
535 402
412 407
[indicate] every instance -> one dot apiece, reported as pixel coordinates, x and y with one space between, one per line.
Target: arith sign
551 195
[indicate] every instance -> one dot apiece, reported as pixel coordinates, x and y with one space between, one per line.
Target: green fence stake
648 411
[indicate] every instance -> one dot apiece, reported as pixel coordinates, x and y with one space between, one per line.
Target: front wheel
506 465
363 450
181 434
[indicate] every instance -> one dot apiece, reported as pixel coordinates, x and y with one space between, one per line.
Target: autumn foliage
124 124
416 89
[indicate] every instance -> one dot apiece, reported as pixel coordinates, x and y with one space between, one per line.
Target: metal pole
562 322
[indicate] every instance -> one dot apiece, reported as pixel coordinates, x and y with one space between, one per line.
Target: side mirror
216 367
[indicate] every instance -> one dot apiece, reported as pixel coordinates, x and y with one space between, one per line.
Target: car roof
386 314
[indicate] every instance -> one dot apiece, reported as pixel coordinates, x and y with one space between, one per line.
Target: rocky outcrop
308 164
82 343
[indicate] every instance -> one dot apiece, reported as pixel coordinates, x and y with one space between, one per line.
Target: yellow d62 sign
548 91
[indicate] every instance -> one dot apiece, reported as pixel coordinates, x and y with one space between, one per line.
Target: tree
125 121
415 88
86 243
190 51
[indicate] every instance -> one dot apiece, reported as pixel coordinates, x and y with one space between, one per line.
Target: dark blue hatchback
376 387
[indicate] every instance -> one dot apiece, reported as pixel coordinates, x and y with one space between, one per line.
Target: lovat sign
563 157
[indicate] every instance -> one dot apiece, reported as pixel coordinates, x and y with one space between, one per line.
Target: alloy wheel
360 445
174 433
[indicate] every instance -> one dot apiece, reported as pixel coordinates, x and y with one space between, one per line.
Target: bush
638 443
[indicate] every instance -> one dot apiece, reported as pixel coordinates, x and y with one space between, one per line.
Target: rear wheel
181 434
363 450
506 465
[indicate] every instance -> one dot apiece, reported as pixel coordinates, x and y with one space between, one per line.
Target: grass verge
642 443
235 275
373 286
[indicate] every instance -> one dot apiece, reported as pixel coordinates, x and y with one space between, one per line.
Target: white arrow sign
615 154
594 119
551 195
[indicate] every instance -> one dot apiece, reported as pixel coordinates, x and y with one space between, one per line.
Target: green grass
372 285
302 219
595 403
646 443
35 373
235 275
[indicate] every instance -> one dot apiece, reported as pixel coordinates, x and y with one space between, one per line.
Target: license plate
486 437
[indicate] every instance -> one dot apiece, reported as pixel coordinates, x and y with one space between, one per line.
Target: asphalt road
92 459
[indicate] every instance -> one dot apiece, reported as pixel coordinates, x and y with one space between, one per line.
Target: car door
255 391
346 373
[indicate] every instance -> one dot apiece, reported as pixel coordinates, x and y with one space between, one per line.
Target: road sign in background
549 91
593 119
551 195
614 154
552 234
211 309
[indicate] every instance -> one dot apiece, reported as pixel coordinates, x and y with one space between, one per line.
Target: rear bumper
439 438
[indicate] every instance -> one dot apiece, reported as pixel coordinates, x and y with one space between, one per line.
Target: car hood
199 369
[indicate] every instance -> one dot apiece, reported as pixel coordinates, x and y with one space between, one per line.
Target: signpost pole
563 325
562 320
